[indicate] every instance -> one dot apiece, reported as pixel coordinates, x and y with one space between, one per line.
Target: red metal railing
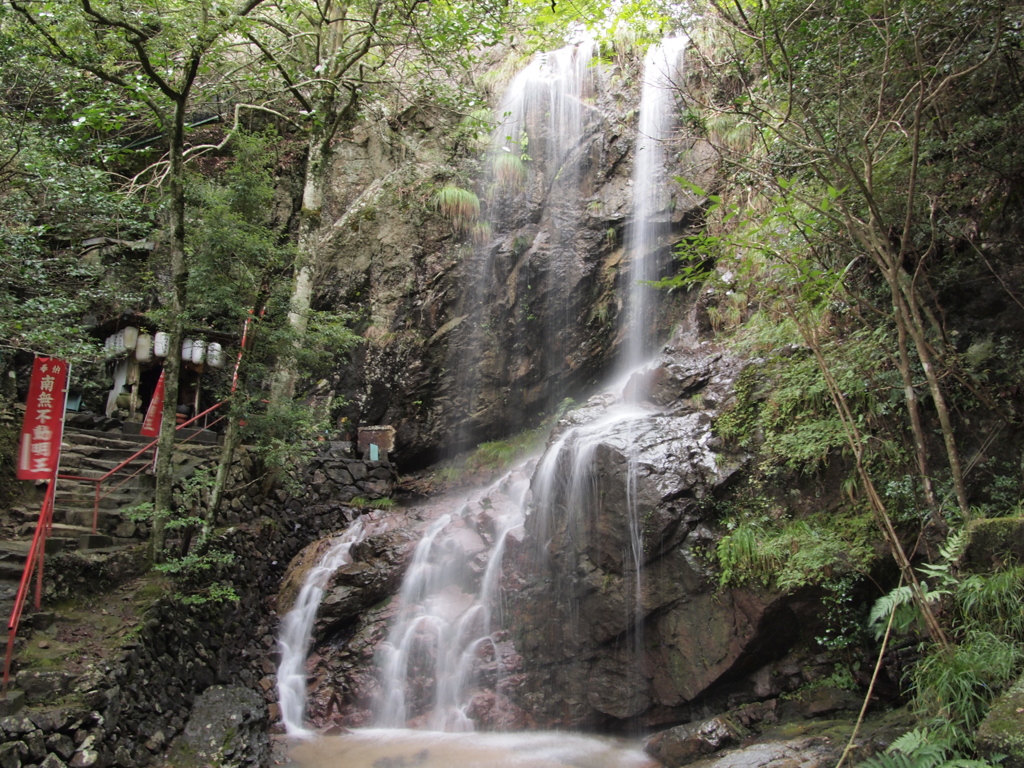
98 481
37 550
34 558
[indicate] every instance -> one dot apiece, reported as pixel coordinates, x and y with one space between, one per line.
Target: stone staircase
91 454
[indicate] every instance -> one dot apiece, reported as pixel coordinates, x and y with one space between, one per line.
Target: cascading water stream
656 120
446 635
294 637
650 196
444 623
534 174
565 484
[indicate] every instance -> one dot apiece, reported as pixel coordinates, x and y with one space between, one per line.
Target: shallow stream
402 748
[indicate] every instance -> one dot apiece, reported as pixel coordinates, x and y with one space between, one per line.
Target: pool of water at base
398 748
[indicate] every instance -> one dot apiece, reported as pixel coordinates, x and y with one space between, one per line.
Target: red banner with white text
43 428
155 412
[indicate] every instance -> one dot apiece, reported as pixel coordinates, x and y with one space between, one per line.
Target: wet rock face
583 642
374 574
600 647
534 309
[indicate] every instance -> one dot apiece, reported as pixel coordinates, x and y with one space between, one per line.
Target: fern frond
886 760
911 741
954 546
885 605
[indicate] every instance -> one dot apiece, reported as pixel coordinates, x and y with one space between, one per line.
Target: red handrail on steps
37 549
35 553
98 481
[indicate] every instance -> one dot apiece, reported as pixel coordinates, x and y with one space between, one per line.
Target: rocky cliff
468 339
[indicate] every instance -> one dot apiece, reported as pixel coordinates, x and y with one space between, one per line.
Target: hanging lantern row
198 351
147 347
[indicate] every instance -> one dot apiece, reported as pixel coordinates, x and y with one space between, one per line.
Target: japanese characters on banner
43 428
155 412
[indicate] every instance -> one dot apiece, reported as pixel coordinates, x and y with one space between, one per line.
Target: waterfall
650 195
568 497
443 633
294 637
524 266
446 637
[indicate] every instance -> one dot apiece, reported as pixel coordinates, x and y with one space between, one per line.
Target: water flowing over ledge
294 637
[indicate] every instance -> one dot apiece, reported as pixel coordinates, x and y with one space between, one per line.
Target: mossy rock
1002 731
993 543
228 728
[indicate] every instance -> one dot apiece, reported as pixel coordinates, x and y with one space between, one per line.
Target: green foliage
501 454
844 614
233 244
10 433
198 561
993 601
50 202
953 687
281 435
509 170
783 406
365 503
921 748
459 205
793 553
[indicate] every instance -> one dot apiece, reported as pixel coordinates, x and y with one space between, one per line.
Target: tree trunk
282 387
164 502
914 410
227 454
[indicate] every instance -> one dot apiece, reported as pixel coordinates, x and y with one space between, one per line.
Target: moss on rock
992 542
1002 730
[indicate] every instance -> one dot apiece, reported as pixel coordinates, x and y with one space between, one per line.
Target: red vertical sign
155 412
43 427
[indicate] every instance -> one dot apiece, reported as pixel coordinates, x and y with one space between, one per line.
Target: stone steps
92 454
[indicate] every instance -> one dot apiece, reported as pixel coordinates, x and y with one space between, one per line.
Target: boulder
228 727
1002 730
685 743
993 542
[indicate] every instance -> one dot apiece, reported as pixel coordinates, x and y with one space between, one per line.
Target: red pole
96 507
39 576
10 654
45 516
241 350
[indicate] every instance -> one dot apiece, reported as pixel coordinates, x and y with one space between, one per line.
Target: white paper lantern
198 351
131 336
161 343
144 348
215 355
119 342
186 350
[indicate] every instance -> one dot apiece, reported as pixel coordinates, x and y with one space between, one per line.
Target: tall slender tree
331 58
155 52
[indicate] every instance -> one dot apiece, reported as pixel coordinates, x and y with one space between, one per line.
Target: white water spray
294 637
650 194
443 632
